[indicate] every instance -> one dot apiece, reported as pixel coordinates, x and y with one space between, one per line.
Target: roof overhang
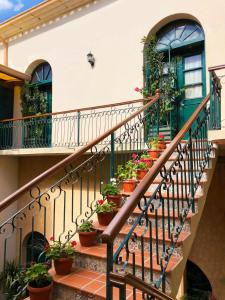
10 75
37 16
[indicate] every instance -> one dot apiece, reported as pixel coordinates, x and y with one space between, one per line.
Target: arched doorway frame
41 80
195 90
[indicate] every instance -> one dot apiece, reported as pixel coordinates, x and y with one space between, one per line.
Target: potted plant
12 284
105 211
62 255
145 158
154 151
142 169
39 282
127 174
161 141
87 234
111 192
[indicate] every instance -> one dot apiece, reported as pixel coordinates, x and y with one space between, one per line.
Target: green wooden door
6 112
191 79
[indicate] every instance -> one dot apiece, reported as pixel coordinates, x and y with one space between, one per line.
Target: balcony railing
67 129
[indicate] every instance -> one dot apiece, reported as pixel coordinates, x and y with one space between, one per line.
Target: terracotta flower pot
154 153
162 145
147 161
40 293
129 185
141 173
88 239
115 199
105 218
63 266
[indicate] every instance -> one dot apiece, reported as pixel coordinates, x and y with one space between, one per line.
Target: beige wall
208 249
8 184
112 31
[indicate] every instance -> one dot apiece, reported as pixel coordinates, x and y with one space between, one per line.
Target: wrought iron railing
68 129
215 98
163 208
56 202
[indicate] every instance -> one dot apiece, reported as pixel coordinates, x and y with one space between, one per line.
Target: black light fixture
91 59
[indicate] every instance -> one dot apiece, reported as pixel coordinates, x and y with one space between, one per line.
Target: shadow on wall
208 250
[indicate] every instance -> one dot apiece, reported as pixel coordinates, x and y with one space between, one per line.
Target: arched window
35 245
179 34
42 74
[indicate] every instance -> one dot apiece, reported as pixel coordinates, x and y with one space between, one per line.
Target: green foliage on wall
34 101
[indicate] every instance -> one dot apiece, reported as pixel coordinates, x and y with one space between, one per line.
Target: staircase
88 280
142 253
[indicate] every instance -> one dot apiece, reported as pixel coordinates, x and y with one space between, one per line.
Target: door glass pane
193 92
192 62
193 77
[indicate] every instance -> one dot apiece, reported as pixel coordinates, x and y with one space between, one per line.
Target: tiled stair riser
177 250
99 265
68 293
186 226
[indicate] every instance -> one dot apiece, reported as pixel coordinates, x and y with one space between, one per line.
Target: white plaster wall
112 31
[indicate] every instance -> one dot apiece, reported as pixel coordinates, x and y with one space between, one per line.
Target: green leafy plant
145 155
105 206
126 172
140 165
86 226
153 143
110 188
12 282
37 276
34 101
160 75
59 249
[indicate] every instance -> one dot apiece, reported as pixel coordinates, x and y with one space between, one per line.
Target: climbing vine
34 101
159 75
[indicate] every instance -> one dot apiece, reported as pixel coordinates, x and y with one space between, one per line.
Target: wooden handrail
51 171
74 110
127 209
215 68
140 285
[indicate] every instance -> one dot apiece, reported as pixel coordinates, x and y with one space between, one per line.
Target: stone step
169 195
84 284
99 252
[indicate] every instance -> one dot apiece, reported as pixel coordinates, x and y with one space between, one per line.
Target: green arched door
182 44
41 80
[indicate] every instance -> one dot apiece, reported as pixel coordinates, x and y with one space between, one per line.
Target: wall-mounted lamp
91 59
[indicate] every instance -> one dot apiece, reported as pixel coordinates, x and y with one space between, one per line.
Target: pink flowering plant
142 91
105 206
58 249
139 163
161 137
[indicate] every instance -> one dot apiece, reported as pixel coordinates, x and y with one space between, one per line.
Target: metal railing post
191 170
112 156
109 269
78 128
